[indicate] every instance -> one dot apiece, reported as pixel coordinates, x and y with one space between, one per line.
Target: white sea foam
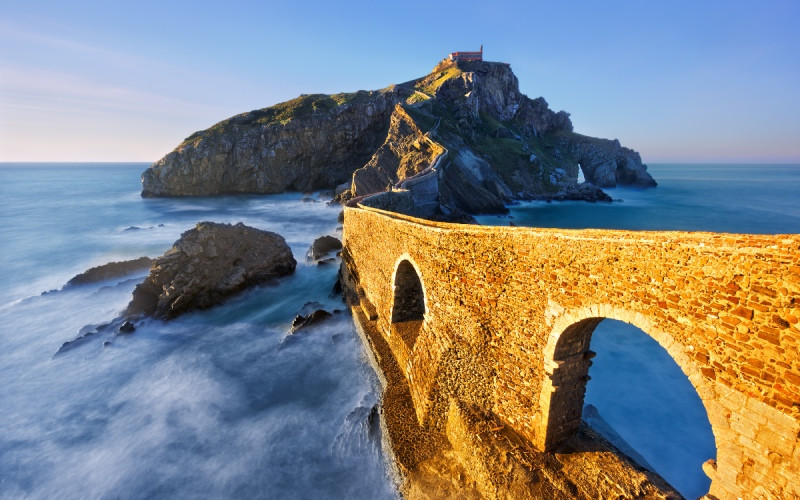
210 405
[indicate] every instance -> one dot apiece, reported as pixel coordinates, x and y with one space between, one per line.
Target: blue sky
679 81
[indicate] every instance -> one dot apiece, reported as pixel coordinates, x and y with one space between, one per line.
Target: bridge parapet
509 313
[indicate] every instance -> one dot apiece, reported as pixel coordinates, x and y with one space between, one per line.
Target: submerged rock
206 265
311 313
90 332
109 271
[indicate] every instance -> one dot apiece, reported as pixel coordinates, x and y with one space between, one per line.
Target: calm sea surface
222 403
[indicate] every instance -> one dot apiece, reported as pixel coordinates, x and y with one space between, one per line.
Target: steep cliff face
492 144
312 142
405 152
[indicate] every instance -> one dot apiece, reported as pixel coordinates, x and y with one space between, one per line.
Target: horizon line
663 162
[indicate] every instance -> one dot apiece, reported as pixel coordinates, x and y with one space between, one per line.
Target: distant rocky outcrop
206 265
577 192
605 163
110 270
462 139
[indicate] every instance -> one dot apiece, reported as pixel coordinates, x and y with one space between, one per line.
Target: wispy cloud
46 90
81 98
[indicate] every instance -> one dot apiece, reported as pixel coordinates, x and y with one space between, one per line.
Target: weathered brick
770 337
743 312
792 377
764 290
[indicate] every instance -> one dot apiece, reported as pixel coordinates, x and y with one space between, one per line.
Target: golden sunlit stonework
486 331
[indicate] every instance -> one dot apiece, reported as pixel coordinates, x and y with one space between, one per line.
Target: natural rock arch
408 304
567 361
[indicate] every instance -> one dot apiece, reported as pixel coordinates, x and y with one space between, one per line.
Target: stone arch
408 301
567 360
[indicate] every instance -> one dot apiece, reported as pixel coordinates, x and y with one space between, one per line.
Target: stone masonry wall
497 301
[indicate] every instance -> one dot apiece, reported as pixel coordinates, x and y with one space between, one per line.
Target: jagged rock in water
304 321
579 192
462 139
207 264
89 332
109 271
324 245
127 327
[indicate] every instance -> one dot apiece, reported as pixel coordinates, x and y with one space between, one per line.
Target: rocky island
462 139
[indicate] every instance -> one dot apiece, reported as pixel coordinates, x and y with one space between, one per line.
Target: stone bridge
501 319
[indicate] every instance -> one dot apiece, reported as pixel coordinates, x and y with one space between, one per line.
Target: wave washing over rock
466 122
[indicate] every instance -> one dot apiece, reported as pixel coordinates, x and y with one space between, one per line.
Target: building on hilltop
466 56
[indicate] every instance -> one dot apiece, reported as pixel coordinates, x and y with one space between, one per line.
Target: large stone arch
566 364
409 301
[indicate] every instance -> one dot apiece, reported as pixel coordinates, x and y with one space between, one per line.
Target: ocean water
763 199
224 403
216 404
635 385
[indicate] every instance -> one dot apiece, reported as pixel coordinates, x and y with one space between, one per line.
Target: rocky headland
207 264
462 139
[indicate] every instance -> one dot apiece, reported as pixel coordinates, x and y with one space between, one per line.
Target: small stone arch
567 360
408 301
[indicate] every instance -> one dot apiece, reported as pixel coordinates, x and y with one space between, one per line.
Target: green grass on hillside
576 137
432 82
305 105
